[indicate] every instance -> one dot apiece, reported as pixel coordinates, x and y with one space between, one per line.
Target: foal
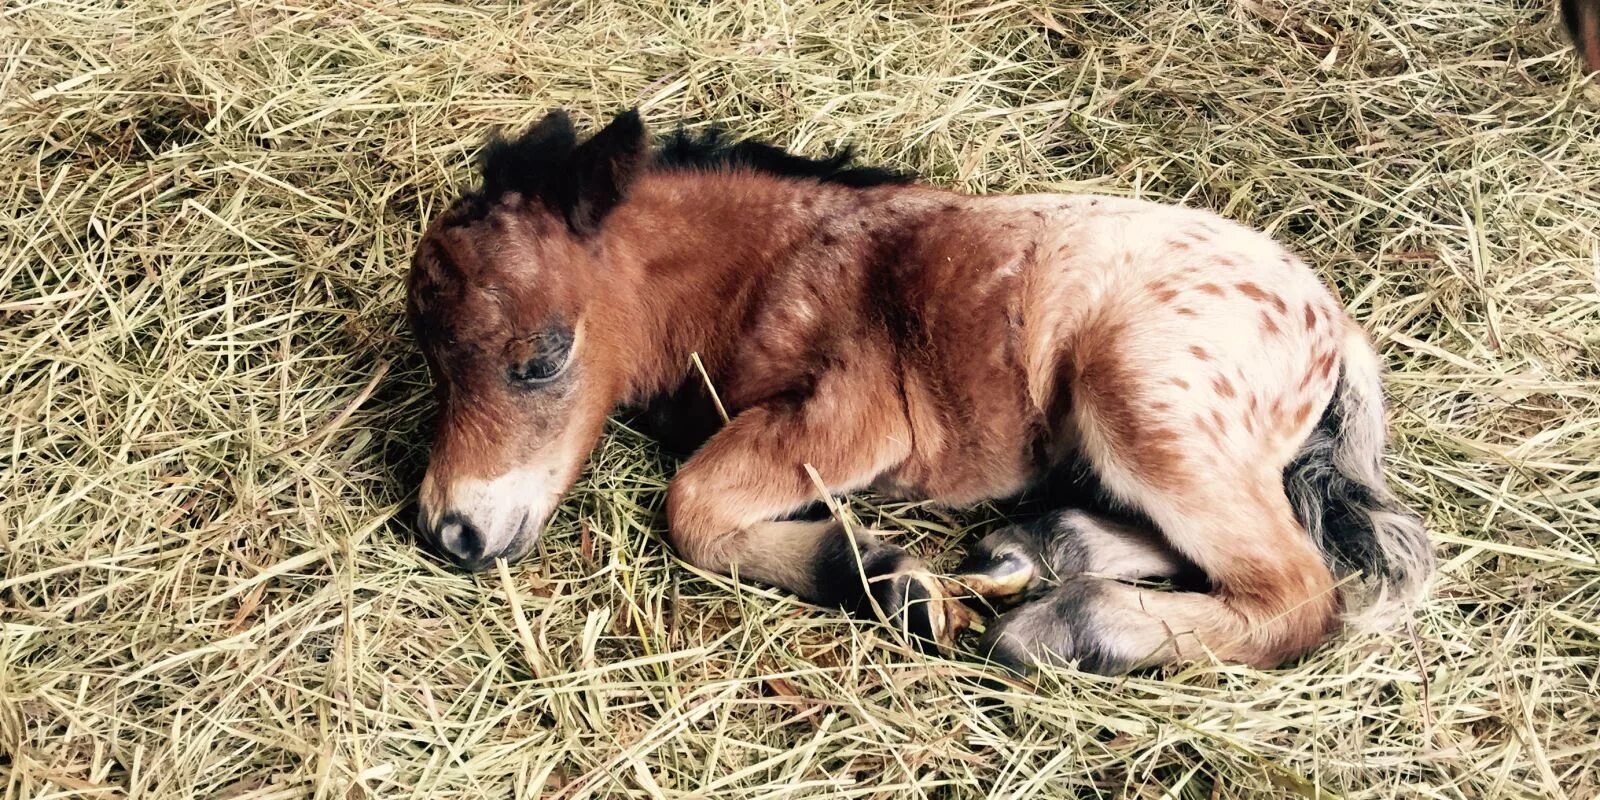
926 344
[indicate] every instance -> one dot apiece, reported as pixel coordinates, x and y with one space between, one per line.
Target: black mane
711 150
582 181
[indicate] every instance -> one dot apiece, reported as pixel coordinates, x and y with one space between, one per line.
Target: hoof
915 602
1002 569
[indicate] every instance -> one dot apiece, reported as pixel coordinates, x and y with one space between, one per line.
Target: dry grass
213 420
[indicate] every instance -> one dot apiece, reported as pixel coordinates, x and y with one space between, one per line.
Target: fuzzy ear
600 170
527 163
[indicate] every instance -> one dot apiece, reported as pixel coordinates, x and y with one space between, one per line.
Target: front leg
727 508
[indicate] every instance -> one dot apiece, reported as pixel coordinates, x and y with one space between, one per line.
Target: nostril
450 537
458 538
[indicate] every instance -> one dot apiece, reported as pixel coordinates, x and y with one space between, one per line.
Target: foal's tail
1337 487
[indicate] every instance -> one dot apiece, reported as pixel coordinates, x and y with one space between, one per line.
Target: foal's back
999 303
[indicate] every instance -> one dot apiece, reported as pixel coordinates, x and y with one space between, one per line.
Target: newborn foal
927 344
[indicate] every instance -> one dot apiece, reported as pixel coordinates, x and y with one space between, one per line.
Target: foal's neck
699 247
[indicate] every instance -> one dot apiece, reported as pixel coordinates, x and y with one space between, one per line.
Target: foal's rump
1218 388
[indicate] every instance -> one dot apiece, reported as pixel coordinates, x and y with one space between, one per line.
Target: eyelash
551 355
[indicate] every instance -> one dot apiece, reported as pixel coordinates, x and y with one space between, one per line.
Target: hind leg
1098 625
1026 561
1273 598
1192 426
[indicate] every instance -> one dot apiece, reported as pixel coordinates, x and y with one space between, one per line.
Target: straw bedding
213 421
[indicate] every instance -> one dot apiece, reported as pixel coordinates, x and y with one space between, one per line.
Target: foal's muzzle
473 522
464 544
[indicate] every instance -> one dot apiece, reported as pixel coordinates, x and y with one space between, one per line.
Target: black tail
1337 487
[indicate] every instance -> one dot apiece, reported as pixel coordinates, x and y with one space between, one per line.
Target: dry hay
213 420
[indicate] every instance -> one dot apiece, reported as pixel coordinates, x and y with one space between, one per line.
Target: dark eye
541 358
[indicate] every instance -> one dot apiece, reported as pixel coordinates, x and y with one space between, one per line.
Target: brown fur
1582 18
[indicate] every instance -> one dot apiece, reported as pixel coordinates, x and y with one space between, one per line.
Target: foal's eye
541 358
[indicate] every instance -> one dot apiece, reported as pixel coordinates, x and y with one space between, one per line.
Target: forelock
525 164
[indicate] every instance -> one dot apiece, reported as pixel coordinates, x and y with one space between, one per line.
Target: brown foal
926 344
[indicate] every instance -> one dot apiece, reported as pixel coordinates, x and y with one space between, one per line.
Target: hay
213 421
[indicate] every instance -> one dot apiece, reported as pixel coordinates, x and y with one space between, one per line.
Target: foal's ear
526 163
600 170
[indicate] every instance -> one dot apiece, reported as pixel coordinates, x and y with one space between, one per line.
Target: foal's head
501 295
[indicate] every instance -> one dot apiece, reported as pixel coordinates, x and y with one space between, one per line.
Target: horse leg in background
727 505
1582 18
1023 562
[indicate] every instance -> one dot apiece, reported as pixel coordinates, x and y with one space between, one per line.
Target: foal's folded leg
1271 597
1022 562
727 507
1105 626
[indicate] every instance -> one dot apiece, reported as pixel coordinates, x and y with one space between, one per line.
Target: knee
683 500
692 526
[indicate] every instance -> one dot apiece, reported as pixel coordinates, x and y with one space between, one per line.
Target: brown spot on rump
1223 386
1301 414
1166 295
1216 416
1184 311
1311 317
1305 380
1211 289
1178 382
1326 367
1261 295
1199 352
1322 366
1268 326
1227 262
